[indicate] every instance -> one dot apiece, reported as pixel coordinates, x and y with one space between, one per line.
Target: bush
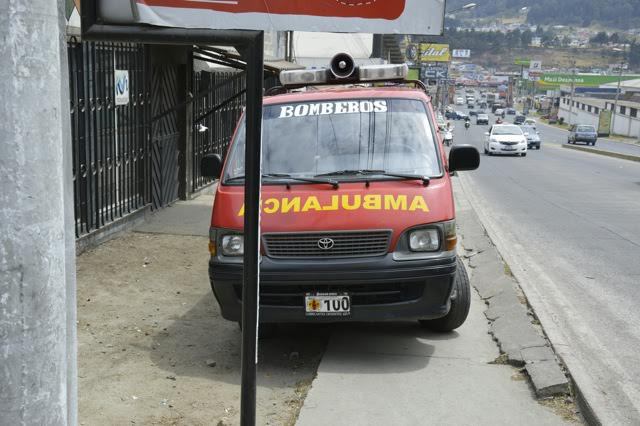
561 120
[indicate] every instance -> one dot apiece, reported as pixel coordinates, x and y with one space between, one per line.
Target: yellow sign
343 202
431 52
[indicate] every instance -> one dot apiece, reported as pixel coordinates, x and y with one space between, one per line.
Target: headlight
424 240
233 245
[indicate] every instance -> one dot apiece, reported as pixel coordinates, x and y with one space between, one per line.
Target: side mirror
211 166
486 133
463 157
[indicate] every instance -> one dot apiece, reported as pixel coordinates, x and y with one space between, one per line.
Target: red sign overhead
369 9
363 16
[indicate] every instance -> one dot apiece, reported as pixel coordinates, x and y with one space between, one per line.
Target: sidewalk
153 348
400 374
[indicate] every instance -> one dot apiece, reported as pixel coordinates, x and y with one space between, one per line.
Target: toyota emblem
325 243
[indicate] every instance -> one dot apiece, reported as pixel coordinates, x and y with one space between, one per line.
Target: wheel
569 141
486 152
460 303
538 147
524 154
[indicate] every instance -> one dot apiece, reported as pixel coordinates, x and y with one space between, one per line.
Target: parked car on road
505 139
583 133
482 119
533 137
530 122
511 111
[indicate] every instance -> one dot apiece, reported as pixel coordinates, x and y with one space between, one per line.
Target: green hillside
624 14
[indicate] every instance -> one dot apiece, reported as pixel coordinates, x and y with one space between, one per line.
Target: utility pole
37 251
573 88
615 103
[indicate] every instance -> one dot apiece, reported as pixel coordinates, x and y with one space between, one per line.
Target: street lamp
615 103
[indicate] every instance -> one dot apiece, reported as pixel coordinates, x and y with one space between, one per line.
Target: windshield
507 130
308 139
586 129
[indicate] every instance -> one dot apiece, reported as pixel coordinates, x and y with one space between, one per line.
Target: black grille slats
344 244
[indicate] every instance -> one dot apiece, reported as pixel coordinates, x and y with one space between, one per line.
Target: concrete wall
578 115
623 125
626 125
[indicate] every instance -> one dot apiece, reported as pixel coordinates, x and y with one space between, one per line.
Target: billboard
581 80
431 52
372 16
604 122
461 53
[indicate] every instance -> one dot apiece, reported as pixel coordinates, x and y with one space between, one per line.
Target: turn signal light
450 236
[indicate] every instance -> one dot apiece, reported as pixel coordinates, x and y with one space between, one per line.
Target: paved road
568 223
551 134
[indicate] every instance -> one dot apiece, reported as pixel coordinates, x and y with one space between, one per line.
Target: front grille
293 295
343 244
509 143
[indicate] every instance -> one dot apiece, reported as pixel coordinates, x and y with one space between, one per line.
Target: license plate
328 304
507 148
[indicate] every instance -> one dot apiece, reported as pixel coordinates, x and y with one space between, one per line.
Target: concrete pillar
37 258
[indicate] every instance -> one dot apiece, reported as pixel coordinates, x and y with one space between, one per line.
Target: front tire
460 304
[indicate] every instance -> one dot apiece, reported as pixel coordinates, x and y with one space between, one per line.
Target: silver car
533 137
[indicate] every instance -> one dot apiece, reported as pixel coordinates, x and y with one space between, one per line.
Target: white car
459 101
505 139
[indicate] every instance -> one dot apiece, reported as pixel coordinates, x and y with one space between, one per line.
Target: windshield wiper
368 172
335 184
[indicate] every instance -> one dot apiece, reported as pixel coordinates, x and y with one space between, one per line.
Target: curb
510 318
521 343
586 411
603 152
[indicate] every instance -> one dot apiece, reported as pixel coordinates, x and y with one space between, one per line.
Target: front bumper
381 288
495 148
531 144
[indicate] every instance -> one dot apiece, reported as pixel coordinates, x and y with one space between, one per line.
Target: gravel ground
153 348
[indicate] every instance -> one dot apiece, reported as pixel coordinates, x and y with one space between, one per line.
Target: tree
634 55
615 38
600 38
525 38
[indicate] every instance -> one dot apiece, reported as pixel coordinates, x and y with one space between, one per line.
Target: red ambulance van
358 218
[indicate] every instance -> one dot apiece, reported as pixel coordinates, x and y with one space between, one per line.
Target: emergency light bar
343 70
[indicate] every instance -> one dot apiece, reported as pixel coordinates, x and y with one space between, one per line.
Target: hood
395 205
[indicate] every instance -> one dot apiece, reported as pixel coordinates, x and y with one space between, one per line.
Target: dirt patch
563 406
153 348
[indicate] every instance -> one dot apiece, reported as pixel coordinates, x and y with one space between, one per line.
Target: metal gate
165 135
109 142
220 100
